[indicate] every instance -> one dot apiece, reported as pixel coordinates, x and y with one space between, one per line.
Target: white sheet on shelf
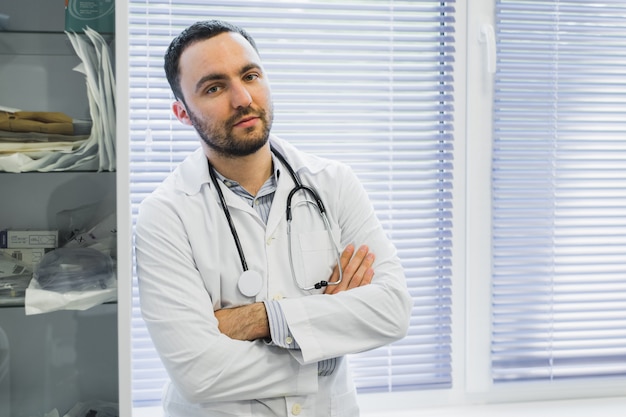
97 153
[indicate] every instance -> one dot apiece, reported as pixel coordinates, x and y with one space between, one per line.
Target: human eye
251 76
212 89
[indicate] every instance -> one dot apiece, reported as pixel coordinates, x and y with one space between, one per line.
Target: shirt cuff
326 367
279 330
281 336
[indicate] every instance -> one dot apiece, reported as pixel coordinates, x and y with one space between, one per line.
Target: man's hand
357 270
247 322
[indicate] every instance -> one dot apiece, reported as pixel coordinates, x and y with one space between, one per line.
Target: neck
250 171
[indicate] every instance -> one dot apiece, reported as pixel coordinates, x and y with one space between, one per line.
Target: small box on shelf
29 256
29 239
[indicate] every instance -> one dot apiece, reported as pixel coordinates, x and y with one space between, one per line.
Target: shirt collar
268 187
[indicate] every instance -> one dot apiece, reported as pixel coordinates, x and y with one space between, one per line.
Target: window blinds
559 190
367 82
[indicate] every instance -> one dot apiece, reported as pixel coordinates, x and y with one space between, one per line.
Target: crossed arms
250 322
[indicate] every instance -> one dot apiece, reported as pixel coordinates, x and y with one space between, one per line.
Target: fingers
344 259
357 270
346 256
364 273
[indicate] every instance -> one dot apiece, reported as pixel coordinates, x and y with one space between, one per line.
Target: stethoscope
250 282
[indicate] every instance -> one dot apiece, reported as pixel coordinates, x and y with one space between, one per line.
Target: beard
221 139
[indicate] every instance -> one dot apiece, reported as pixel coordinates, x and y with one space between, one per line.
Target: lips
246 121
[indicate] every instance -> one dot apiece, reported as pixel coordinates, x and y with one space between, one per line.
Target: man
249 311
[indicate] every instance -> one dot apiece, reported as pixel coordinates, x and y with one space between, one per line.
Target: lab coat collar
194 170
298 160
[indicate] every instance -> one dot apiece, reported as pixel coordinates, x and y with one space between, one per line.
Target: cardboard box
30 257
32 239
99 15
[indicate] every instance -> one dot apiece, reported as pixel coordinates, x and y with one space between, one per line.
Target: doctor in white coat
266 342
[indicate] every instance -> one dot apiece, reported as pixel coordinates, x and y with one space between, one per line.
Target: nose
240 96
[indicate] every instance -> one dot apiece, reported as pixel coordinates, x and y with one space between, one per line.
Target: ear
179 110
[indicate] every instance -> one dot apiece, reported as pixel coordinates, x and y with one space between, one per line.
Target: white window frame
473 393
479 101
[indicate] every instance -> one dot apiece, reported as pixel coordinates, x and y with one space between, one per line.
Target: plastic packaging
75 269
89 226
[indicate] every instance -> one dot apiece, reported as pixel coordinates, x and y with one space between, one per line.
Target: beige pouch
34 121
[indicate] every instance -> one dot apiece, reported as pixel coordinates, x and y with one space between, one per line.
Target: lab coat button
296 409
289 340
277 297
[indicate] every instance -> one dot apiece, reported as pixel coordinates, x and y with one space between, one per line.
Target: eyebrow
220 76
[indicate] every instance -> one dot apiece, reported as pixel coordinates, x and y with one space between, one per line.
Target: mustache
242 112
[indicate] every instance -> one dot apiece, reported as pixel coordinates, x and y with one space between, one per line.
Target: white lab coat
188 267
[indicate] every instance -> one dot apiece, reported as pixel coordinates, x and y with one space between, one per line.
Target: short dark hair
198 31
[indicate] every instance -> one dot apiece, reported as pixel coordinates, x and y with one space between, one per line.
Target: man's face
227 95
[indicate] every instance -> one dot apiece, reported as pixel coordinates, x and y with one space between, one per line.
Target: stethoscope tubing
298 187
231 225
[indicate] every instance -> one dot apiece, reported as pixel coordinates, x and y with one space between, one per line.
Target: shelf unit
55 360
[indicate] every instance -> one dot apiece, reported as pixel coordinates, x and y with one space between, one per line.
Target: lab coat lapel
279 204
233 201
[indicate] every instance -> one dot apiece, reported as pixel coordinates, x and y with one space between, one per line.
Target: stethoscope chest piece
250 283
